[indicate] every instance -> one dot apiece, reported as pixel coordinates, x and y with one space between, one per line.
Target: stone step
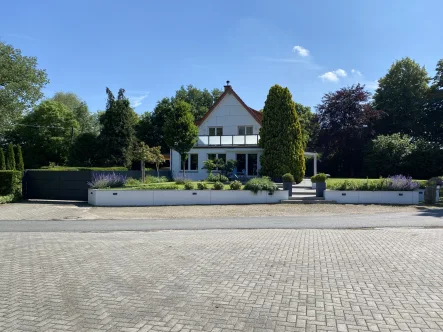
295 186
306 198
304 192
308 201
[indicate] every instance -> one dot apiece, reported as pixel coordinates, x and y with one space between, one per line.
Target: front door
252 164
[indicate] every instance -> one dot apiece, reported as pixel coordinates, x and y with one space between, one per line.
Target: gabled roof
228 90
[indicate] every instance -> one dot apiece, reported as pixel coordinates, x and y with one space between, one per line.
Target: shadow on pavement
426 211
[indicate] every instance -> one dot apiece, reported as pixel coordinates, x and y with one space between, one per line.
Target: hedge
11 185
69 168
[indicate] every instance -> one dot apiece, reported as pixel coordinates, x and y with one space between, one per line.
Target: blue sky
151 48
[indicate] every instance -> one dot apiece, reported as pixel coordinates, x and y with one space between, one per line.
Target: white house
229 130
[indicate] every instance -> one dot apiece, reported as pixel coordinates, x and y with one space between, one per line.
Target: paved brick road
226 280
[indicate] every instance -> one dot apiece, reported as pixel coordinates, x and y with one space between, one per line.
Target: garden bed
128 197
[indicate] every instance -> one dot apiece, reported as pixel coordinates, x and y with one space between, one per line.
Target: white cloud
136 97
300 50
356 72
333 76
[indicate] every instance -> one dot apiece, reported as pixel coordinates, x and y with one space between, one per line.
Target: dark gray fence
67 185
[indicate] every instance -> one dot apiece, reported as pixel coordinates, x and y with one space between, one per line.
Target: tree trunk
142 167
157 166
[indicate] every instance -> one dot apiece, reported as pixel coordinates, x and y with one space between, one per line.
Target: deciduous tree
180 131
156 157
21 83
281 136
199 100
346 127
46 134
400 95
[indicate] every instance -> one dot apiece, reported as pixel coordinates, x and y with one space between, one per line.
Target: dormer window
215 131
245 130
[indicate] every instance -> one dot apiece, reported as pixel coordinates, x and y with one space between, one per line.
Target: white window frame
188 163
215 130
246 132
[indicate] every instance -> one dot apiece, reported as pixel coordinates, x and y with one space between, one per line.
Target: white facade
229 130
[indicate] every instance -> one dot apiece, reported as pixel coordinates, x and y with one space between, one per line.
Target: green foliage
11 184
45 134
387 154
209 165
117 136
227 166
288 177
131 182
85 150
180 180
22 83
281 136
156 179
71 168
346 121
6 199
400 95
400 154
10 158
88 123
217 177
202 186
189 185
180 132
260 184
218 186
320 177
382 184
199 100
156 157
308 123
433 122
2 160
235 185
19 165
160 186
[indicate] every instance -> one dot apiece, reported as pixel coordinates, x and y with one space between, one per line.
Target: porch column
315 164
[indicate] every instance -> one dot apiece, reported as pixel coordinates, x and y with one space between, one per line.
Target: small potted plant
320 184
288 180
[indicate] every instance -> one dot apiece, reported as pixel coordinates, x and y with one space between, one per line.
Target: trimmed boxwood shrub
235 185
202 186
320 177
218 186
189 185
11 184
68 168
288 177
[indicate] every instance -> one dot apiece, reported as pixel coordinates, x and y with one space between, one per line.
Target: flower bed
393 190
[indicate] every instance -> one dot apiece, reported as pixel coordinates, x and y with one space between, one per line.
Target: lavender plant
107 180
401 183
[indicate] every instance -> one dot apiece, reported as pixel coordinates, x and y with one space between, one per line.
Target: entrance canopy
313 154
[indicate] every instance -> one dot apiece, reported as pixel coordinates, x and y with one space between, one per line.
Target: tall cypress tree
2 161
19 164
117 134
281 136
10 158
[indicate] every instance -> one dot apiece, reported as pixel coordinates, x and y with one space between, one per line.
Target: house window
191 164
245 130
215 131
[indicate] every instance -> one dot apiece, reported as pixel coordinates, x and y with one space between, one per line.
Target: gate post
24 185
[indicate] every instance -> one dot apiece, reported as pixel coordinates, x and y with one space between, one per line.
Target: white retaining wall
181 197
373 197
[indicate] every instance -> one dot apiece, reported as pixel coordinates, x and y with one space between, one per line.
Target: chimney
227 86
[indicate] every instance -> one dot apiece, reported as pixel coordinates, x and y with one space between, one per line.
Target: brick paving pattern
223 280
